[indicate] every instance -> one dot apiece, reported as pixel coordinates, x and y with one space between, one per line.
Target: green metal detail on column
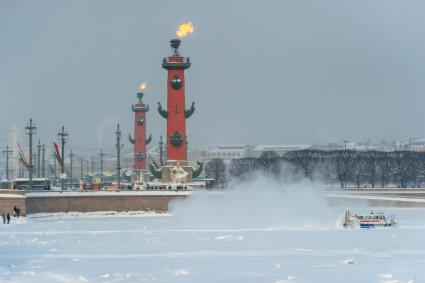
162 111
155 173
169 65
140 109
188 113
176 82
130 139
140 96
149 139
140 121
197 172
176 139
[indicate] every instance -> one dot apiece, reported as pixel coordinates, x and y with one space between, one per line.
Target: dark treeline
337 167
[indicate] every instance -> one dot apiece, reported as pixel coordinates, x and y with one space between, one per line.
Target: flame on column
142 86
184 29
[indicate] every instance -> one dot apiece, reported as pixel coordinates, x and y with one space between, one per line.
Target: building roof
281 147
235 146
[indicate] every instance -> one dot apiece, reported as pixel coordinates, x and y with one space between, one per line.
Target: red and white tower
140 141
176 113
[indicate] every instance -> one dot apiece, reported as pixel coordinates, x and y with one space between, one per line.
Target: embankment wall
88 202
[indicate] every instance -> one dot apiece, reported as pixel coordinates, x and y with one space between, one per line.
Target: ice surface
136 249
348 261
260 238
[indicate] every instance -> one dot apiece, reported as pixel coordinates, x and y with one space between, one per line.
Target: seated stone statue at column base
178 175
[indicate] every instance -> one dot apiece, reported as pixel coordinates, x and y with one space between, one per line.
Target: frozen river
213 240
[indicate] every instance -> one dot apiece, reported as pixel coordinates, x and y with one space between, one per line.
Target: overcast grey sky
262 71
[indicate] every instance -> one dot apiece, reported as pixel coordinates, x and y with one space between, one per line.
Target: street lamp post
20 170
81 168
63 137
55 181
187 144
43 166
161 144
101 154
92 165
345 162
71 157
30 130
87 166
7 151
118 145
38 159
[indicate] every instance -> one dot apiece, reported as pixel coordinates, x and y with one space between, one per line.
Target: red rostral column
176 113
139 142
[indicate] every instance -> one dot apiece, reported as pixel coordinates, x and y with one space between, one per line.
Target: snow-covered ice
206 240
135 249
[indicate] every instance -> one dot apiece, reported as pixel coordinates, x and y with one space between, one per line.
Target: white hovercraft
370 220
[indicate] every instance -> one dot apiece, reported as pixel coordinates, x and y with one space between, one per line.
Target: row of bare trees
337 167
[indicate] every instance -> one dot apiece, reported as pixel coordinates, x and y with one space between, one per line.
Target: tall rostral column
176 113
140 141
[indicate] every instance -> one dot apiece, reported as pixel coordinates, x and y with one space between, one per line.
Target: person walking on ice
17 211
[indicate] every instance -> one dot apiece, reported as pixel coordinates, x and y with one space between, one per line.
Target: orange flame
184 29
142 86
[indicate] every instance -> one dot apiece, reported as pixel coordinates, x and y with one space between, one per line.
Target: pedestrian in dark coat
17 211
8 218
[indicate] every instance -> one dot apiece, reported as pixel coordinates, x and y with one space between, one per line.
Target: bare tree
305 161
401 163
372 160
326 167
384 167
358 168
216 170
240 168
269 154
343 166
342 161
419 167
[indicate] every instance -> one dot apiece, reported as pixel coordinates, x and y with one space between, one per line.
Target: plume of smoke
259 202
13 146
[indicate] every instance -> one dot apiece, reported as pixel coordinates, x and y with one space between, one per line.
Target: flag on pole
57 154
22 157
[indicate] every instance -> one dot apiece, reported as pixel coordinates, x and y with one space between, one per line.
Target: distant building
384 147
226 152
362 146
197 154
229 152
280 150
416 145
